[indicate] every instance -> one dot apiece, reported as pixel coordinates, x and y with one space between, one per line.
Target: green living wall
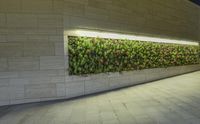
98 55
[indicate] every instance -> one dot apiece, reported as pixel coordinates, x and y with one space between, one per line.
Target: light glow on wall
101 34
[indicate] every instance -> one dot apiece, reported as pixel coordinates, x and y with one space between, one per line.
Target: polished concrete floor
174 100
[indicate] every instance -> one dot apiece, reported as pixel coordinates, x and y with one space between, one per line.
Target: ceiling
195 2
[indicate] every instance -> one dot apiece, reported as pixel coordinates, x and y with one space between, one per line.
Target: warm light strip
88 33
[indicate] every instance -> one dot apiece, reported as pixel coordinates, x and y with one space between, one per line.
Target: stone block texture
34 61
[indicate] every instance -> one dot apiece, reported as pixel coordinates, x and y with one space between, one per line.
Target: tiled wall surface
31 51
168 18
32 58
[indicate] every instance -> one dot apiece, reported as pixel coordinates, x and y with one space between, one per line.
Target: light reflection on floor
170 101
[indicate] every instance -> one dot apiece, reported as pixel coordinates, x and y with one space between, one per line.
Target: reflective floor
170 101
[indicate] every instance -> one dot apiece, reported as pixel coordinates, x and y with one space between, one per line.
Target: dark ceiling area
196 2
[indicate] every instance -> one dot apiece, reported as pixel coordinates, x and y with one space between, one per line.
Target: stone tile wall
33 61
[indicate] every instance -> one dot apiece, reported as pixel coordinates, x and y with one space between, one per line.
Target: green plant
99 55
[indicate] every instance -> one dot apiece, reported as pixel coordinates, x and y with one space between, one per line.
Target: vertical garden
99 55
